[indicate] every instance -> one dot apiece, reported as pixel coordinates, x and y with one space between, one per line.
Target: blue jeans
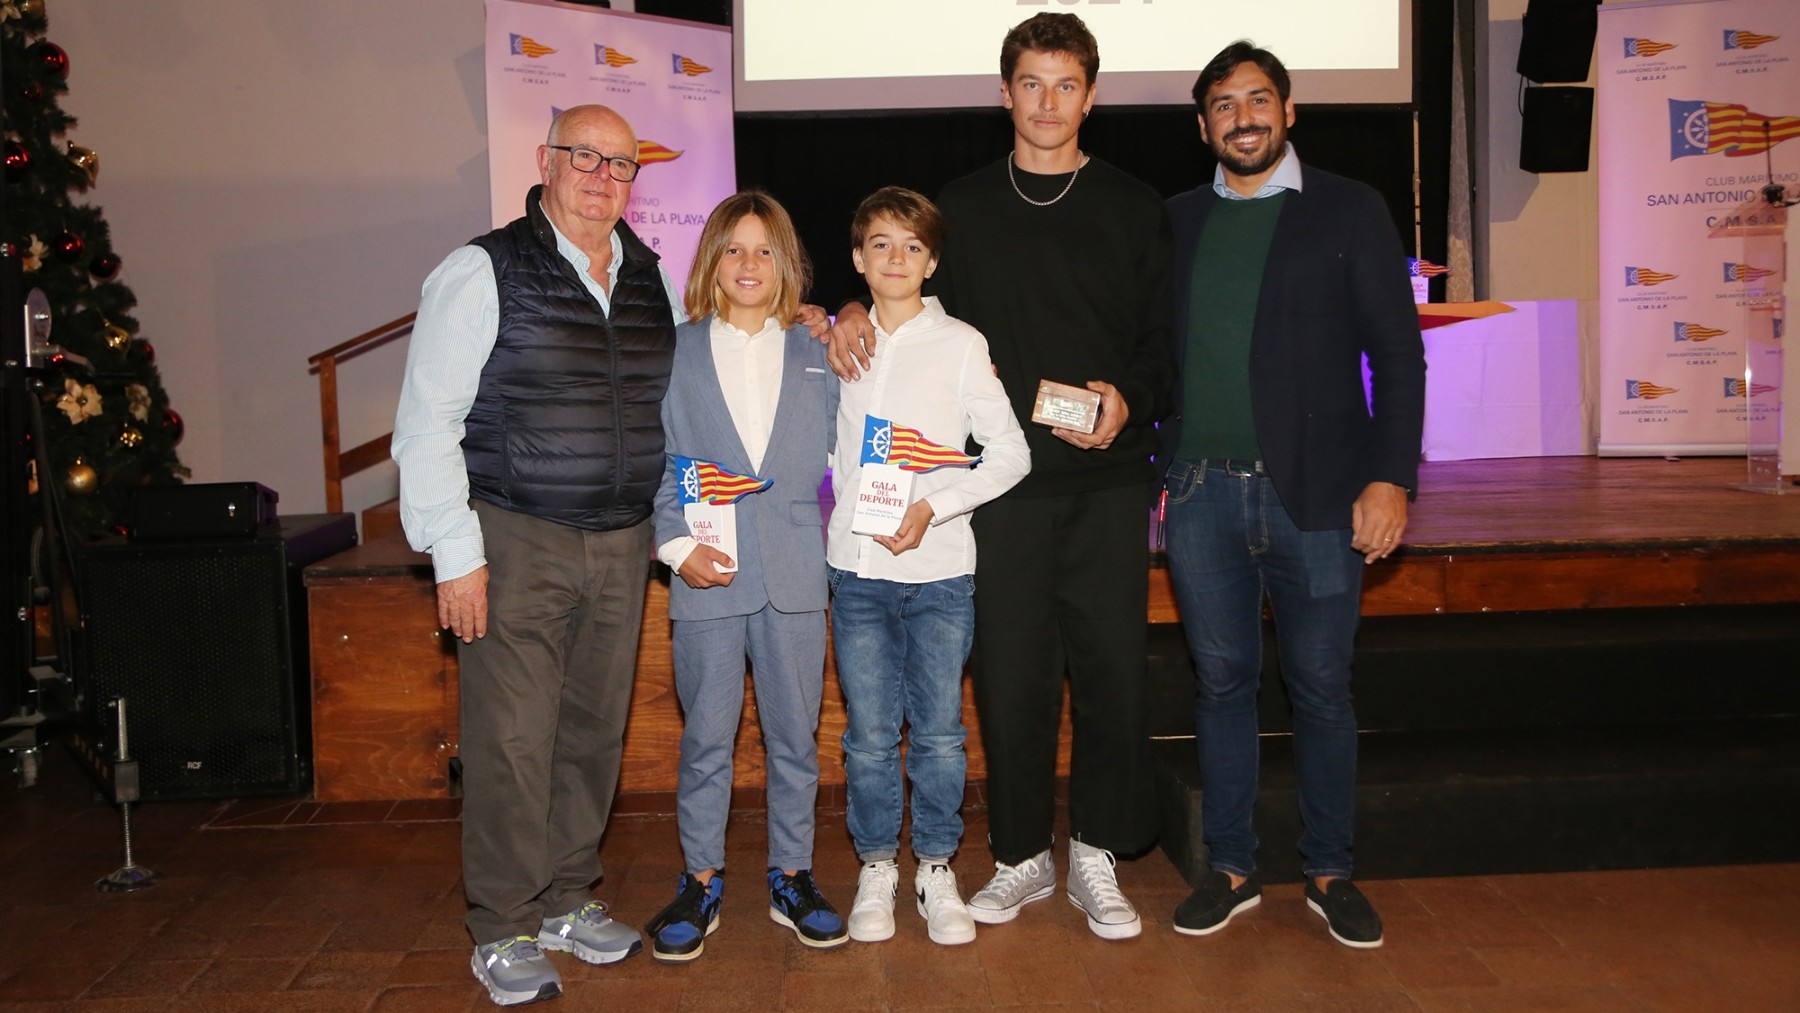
900 654
1229 541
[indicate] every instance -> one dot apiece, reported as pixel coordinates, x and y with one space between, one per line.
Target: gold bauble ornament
82 479
130 437
30 8
86 160
116 337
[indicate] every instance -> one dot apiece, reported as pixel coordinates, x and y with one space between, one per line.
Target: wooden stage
1485 536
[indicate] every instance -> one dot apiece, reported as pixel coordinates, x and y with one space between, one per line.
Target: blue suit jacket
1334 289
780 531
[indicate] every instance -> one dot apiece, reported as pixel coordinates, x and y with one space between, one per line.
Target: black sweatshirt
1072 292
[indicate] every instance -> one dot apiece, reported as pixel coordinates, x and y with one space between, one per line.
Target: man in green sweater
1284 479
1062 262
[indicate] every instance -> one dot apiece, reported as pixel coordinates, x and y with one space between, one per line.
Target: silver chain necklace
1080 157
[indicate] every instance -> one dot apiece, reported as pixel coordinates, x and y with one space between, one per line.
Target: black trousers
1061 586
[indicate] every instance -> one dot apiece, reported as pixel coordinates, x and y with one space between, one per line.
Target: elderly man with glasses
530 446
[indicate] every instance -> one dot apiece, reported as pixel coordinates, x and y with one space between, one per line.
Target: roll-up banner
1695 100
670 79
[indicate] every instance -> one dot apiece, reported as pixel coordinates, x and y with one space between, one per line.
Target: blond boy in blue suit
751 393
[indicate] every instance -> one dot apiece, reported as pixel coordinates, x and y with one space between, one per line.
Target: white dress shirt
458 323
749 368
932 374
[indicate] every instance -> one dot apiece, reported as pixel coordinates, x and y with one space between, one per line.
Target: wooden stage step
1552 799
1550 534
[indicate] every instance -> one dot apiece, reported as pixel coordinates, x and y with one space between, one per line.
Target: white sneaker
1094 889
872 916
947 921
1013 887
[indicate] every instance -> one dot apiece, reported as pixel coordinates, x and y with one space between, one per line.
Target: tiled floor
290 906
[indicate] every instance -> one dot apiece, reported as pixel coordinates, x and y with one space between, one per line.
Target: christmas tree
108 425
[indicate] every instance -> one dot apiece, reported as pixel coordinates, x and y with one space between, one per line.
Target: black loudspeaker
208 510
206 640
1557 124
1558 43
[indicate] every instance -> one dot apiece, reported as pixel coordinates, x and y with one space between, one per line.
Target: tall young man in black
1062 262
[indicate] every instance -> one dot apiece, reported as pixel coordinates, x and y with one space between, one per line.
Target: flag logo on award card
1745 272
1645 276
1736 387
1709 128
525 45
610 56
1646 47
1737 38
650 152
705 482
906 449
1695 332
691 68
1635 389
1419 267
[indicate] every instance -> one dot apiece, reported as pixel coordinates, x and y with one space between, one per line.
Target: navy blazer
780 531
1334 289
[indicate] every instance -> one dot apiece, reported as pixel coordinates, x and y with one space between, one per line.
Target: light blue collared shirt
458 323
1286 177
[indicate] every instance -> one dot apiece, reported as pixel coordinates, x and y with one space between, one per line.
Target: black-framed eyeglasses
587 160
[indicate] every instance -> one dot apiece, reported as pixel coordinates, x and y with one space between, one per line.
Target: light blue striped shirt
1286 177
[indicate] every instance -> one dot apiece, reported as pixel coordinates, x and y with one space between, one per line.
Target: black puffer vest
567 421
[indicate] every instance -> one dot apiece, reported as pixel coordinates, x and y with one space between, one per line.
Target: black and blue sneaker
678 932
795 901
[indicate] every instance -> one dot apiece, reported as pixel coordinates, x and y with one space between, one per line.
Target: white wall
278 177
1537 236
1543 239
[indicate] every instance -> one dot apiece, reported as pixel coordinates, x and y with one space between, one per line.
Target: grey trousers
544 700
787 667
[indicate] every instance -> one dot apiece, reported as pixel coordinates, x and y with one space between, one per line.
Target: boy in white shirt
903 616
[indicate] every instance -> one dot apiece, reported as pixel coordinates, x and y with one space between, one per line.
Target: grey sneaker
1094 889
588 933
872 916
1013 887
947 920
515 971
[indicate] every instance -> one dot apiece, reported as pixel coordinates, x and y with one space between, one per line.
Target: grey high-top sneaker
1013 887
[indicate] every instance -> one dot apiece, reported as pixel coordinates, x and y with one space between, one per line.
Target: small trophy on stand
892 457
708 495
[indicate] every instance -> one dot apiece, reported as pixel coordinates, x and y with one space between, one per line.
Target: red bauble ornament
105 267
172 424
18 161
141 349
31 91
49 56
69 246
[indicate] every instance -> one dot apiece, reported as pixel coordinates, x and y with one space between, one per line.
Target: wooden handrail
388 330
339 463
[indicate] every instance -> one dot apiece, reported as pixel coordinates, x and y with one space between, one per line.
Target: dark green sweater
1227 277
